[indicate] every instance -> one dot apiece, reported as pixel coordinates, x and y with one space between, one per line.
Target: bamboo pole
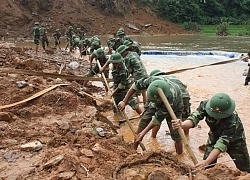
180 131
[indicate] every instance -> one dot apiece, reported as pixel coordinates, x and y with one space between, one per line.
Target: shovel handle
180 131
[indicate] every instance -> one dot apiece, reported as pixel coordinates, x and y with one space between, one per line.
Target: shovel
180 131
124 115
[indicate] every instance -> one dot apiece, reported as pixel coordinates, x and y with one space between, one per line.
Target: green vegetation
234 30
227 17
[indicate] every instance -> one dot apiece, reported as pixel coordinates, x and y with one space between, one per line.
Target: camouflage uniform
43 34
135 66
156 111
95 69
95 44
80 33
121 80
69 35
226 134
36 34
57 36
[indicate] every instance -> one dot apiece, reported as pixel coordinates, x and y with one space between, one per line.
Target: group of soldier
131 79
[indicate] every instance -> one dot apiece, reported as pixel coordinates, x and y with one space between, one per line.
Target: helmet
220 106
152 92
111 38
57 29
122 48
119 32
42 25
70 27
99 52
73 36
86 40
127 42
115 58
78 29
36 23
156 72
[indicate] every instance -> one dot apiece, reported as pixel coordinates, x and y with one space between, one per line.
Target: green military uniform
57 36
133 46
43 35
122 81
69 35
156 111
226 132
111 44
99 55
95 43
80 33
119 41
133 64
36 34
184 92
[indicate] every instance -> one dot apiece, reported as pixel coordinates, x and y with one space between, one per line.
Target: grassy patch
235 30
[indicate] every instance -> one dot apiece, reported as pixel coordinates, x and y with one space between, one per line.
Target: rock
159 174
21 84
5 116
66 175
87 152
100 132
32 146
63 125
74 65
54 161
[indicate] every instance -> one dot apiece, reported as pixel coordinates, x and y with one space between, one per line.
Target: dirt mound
57 135
94 17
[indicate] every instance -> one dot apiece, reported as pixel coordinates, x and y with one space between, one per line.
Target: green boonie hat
115 58
156 72
70 27
220 106
127 42
119 32
36 23
152 93
99 52
122 48
42 25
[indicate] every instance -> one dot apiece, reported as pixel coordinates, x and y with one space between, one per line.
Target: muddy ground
55 135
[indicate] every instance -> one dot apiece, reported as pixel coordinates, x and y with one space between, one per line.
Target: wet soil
55 135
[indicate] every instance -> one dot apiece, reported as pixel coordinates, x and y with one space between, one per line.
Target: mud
65 122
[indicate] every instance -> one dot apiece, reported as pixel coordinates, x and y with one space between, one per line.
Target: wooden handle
132 129
180 131
124 115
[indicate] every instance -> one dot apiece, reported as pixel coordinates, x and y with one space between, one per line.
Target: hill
17 17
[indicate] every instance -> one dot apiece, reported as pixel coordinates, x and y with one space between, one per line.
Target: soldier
80 33
95 43
226 131
57 36
99 55
135 66
155 111
247 79
69 34
43 35
133 46
122 83
36 35
185 98
121 38
111 44
86 45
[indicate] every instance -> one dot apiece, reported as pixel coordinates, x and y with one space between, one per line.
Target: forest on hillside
209 12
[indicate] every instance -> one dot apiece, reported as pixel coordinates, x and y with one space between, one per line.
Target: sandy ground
54 136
